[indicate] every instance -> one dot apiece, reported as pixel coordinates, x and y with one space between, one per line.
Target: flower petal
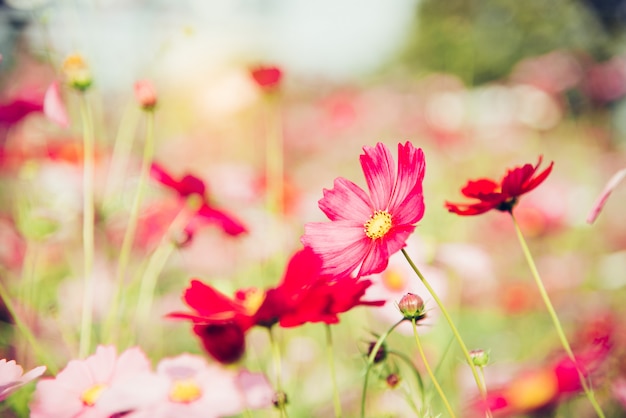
379 170
604 196
53 106
346 201
342 245
407 201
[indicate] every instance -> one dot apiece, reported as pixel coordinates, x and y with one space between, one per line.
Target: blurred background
480 86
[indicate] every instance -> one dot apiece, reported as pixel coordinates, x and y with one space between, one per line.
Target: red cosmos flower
266 77
302 296
366 230
205 214
19 107
501 196
542 387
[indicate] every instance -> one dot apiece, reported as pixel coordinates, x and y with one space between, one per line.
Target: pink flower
367 229
604 196
53 106
76 390
12 377
186 386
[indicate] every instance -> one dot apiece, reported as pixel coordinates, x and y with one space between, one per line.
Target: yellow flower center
533 391
91 395
253 300
378 224
394 280
185 391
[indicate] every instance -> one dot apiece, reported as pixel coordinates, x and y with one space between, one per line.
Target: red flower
501 196
302 296
542 387
205 213
266 77
19 107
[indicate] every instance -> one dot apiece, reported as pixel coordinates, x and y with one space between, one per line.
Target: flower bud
279 400
380 355
480 358
393 380
266 77
77 72
412 306
145 94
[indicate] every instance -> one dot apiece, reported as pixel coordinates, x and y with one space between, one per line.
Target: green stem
274 157
129 235
124 139
370 362
418 376
446 315
555 319
88 225
331 362
429 371
282 407
25 330
155 266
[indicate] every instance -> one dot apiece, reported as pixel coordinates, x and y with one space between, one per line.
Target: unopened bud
381 353
267 77
480 358
412 306
393 380
77 73
279 400
145 94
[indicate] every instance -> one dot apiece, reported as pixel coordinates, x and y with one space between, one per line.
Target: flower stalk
88 224
457 336
429 370
555 319
333 374
370 362
129 235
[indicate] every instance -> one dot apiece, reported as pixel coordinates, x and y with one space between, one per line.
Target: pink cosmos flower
187 386
12 377
76 390
367 229
53 106
604 196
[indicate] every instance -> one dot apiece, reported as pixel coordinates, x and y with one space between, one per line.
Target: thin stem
416 372
370 362
88 225
331 362
282 407
155 266
129 235
25 330
274 158
555 319
446 315
429 371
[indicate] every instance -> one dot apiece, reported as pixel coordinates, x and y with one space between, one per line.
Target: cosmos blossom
12 377
304 295
502 195
189 186
77 389
542 387
188 386
366 229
